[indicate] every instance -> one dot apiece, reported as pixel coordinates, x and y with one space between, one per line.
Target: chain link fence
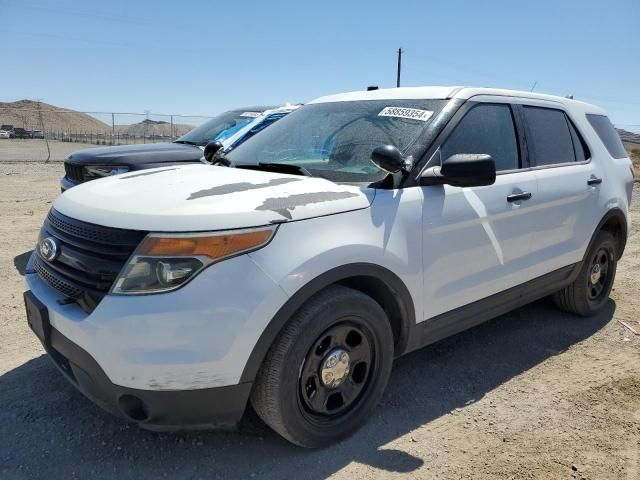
41 133
48 134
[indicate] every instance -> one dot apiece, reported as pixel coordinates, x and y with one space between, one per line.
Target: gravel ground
18 150
35 150
532 394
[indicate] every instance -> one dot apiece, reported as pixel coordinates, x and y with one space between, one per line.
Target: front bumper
179 352
66 183
220 407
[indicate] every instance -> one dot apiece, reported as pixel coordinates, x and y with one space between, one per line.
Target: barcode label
412 113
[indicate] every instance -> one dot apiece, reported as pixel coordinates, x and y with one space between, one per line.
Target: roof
446 92
391 93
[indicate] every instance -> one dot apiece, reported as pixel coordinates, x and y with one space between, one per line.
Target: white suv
358 228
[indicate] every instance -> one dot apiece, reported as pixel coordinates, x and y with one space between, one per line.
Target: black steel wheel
327 369
336 370
590 290
598 278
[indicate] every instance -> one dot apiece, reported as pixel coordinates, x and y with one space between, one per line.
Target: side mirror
390 159
211 149
462 170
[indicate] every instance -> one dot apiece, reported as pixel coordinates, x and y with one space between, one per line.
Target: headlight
99 171
163 262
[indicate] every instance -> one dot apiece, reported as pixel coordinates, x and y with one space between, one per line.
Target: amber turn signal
211 246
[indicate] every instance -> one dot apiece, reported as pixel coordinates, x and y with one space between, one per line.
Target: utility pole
399 67
44 133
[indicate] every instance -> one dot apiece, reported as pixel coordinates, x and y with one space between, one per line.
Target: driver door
476 240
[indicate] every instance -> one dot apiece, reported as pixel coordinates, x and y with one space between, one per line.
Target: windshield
335 140
219 128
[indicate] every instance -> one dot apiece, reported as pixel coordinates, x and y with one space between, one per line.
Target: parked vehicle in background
18 132
231 129
4 134
358 228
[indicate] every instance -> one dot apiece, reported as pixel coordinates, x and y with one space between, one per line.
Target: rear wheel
327 369
590 290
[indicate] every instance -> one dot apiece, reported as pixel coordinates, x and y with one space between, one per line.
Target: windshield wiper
186 142
286 168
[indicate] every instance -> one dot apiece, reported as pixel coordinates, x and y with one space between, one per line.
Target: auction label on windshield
399 112
250 114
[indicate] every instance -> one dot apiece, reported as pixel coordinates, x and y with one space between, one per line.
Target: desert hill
149 127
24 114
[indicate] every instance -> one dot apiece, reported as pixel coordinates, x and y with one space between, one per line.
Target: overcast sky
205 57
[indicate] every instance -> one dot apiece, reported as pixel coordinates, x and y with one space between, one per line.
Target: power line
126 45
494 77
75 12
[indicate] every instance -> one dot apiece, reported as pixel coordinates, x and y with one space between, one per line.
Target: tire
584 297
293 393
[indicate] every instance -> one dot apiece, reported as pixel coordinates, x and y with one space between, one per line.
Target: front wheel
327 369
590 290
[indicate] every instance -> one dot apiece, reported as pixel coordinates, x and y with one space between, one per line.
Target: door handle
594 181
516 197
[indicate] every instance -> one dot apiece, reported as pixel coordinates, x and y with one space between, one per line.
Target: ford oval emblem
49 249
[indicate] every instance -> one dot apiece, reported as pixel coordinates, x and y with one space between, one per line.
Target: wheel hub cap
335 368
595 274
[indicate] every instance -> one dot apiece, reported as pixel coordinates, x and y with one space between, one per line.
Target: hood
133 155
204 197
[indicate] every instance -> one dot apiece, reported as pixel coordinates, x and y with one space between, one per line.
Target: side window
603 127
488 129
579 147
548 136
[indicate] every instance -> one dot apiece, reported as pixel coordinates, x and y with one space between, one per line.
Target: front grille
56 282
74 172
89 257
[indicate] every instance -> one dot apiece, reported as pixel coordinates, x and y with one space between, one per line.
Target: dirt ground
535 394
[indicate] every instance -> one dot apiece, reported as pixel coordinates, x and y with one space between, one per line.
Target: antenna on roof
372 87
535 82
399 67
570 97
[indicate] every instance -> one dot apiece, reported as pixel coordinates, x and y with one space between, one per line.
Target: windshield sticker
412 113
250 114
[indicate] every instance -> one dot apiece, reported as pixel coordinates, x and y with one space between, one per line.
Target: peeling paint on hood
203 197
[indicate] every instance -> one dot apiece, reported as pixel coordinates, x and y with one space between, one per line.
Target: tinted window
603 127
486 129
549 138
579 147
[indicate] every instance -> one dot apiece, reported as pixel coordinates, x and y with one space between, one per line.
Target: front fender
306 257
319 283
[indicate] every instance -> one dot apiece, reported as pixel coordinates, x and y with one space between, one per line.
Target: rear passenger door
568 186
476 240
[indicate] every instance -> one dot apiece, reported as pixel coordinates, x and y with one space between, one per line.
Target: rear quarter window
604 128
